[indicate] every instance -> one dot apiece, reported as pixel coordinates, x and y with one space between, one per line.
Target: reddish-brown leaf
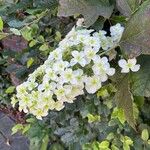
14 43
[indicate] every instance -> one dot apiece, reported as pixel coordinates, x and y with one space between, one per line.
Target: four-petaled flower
128 65
78 57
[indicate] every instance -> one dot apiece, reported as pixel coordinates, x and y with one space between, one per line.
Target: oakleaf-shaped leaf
136 37
127 7
90 9
124 100
141 79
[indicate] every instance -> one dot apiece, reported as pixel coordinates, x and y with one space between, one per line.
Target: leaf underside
141 79
127 7
124 100
90 9
136 37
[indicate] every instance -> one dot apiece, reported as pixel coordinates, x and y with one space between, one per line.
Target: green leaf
30 120
145 135
56 146
126 147
113 147
119 113
32 43
45 141
16 23
10 89
139 100
93 118
15 31
26 128
136 37
135 111
27 33
58 36
40 39
141 79
1 24
90 9
104 145
30 62
44 47
99 24
128 140
16 128
127 7
110 136
124 100
103 92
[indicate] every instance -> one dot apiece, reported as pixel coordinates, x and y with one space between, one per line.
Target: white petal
132 61
103 77
96 70
73 62
135 68
82 62
111 71
78 72
96 58
40 87
39 117
82 54
104 59
125 70
91 90
75 53
122 63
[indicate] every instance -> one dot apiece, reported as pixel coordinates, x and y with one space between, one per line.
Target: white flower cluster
70 69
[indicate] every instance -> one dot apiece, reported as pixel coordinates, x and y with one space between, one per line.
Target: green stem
108 50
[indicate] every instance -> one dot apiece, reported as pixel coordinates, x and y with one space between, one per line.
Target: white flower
116 32
31 85
92 84
77 90
67 75
60 93
93 42
64 44
21 90
56 54
39 113
128 65
32 77
84 32
59 105
59 66
51 74
102 68
47 86
89 53
78 77
101 34
106 43
78 57
81 38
